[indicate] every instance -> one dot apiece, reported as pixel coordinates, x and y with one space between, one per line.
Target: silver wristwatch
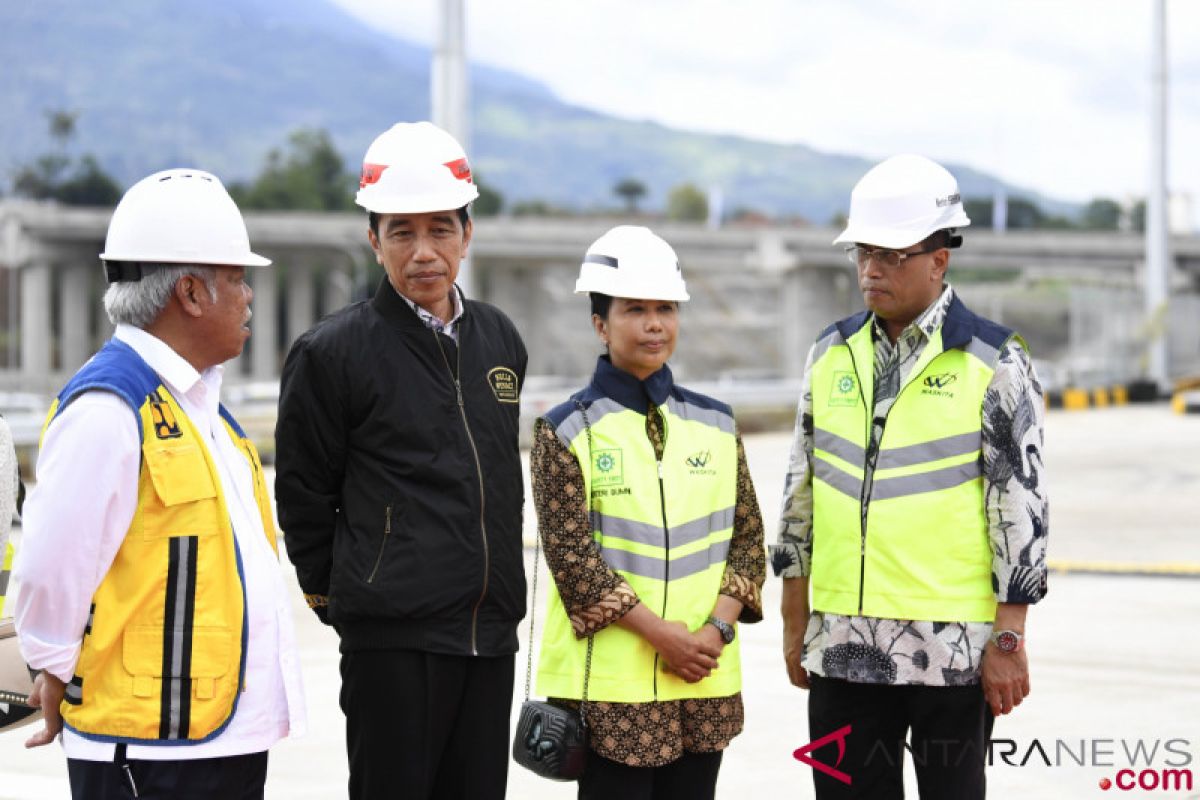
727 631
1007 641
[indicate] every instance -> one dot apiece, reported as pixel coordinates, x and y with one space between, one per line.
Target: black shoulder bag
552 741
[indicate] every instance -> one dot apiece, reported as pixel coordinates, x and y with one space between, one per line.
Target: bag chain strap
537 551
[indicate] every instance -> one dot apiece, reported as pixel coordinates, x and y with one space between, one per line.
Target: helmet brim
244 260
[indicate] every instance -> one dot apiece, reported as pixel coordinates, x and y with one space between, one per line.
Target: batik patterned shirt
870 650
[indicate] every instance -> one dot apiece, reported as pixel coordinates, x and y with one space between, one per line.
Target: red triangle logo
839 736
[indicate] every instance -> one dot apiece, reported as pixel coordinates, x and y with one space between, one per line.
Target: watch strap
726 630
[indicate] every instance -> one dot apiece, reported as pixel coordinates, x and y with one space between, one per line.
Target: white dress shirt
76 519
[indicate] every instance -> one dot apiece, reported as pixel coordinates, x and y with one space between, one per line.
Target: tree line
308 174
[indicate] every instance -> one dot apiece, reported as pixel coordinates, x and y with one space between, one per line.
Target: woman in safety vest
653 537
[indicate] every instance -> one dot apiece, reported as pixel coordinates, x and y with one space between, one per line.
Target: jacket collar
393 307
634 394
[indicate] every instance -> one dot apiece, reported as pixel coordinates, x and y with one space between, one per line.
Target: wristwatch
1007 641
727 631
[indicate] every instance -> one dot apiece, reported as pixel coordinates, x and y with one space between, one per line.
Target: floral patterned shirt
870 650
595 596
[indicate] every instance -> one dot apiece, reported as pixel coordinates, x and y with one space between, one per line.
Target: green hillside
219 83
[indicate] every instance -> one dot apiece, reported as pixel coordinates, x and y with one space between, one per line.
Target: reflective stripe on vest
163 655
923 552
666 529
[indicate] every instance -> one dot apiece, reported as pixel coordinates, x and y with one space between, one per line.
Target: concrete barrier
1186 402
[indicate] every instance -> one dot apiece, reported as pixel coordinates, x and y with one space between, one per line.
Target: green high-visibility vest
665 527
923 552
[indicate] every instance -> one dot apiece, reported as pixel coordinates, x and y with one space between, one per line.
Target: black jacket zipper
387 532
455 375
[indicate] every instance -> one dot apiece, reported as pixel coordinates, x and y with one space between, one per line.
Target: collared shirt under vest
664 526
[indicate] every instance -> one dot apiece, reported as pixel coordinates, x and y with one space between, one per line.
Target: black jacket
400 503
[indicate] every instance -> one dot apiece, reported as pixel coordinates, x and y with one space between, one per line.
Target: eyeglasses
860 255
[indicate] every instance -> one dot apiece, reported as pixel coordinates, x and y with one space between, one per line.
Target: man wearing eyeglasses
914 508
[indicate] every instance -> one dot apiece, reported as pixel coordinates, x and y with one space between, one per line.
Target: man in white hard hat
151 598
399 488
914 508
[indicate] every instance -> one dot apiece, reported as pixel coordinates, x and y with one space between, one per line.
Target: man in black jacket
399 488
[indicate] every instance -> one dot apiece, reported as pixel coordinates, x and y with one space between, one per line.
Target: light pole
1158 254
449 91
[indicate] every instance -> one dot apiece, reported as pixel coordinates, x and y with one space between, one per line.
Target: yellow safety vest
665 527
163 654
923 552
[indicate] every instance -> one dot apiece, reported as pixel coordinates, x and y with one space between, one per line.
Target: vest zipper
462 410
862 492
863 507
387 531
662 499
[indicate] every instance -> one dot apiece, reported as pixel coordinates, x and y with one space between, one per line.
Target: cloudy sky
1050 94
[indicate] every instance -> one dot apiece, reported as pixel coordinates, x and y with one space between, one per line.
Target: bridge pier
36 279
264 336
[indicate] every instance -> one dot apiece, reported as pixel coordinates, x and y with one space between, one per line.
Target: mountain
217 84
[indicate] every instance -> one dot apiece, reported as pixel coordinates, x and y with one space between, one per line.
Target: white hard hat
630 261
178 216
902 200
413 168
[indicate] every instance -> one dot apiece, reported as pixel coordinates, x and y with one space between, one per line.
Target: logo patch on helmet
461 169
370 174
949 200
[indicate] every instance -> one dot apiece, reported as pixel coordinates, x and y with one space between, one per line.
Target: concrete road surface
1115 658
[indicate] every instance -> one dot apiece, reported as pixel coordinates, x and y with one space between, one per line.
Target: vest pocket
180 473
211 655
181 478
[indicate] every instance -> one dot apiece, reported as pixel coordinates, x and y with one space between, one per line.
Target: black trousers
950 727
426 726
229 778
690 777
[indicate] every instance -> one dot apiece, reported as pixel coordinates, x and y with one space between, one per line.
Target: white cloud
1050 94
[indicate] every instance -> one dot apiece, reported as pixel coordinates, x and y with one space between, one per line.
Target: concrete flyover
759 294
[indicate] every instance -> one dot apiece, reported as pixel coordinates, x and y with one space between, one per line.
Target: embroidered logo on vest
936 384
607 469
165 424
504 384
699 463
845 389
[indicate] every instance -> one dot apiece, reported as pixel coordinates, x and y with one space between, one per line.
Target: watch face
1007 641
